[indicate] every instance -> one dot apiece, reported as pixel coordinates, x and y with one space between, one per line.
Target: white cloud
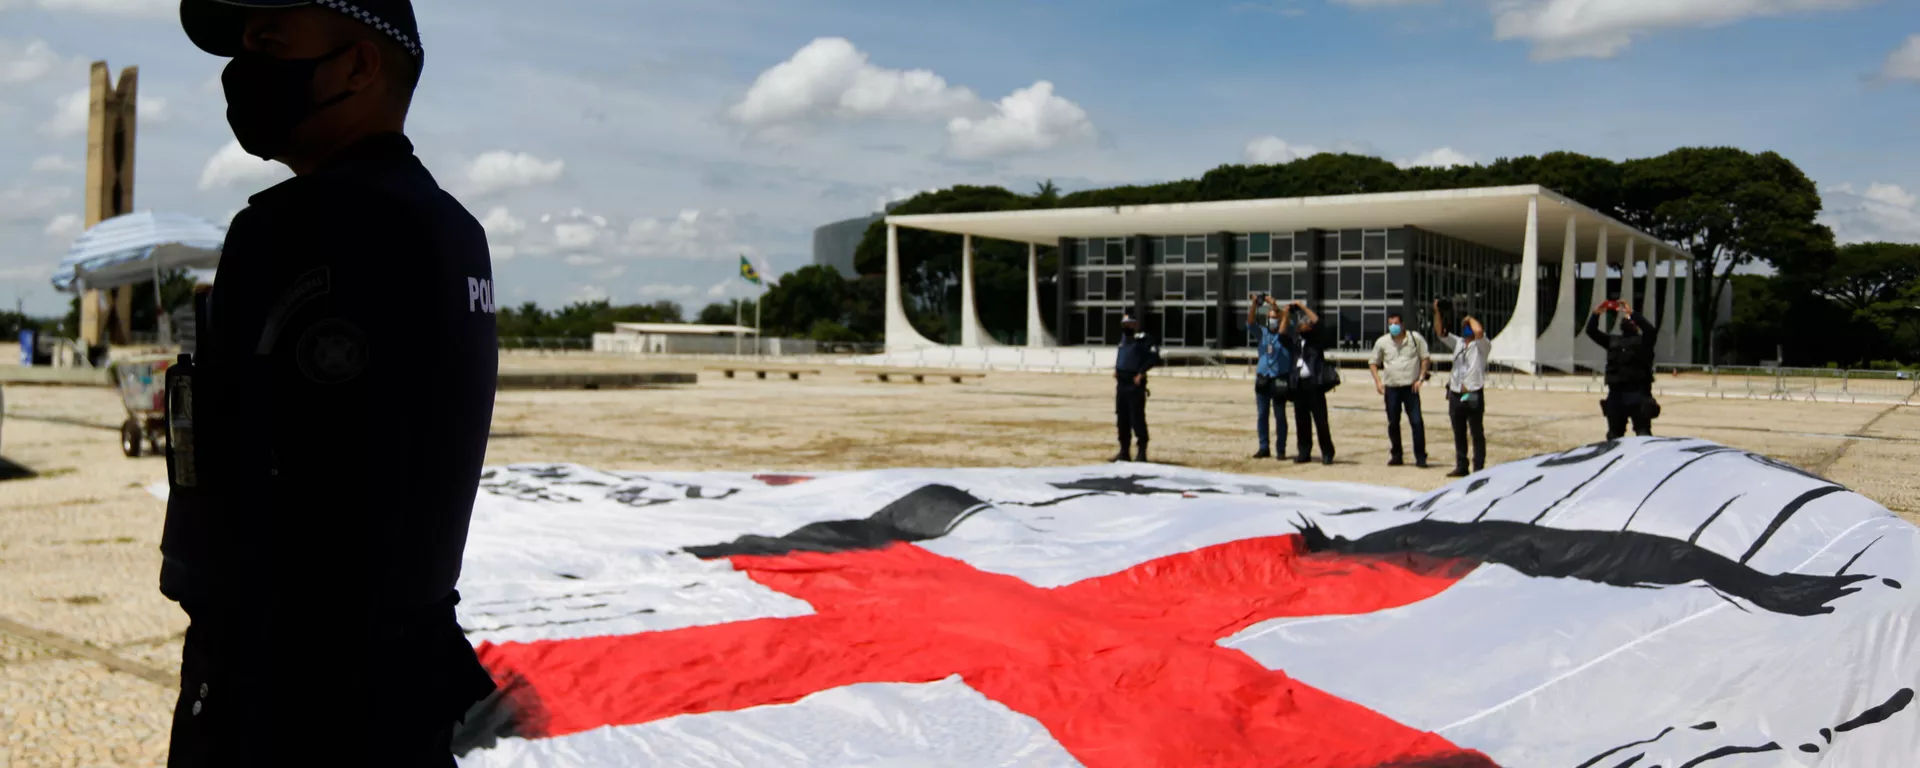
1562 29
70 113
1881 212
22 204
667 291
1904 62
1031 119
1268 150
232 166
54 164
500 221
719 289
123 8
829 77
690 235
29 61
583 260
575 230
1444 157
498 170
65 226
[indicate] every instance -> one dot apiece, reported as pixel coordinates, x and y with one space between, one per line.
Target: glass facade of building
1353 278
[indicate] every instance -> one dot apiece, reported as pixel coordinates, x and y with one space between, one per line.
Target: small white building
693 339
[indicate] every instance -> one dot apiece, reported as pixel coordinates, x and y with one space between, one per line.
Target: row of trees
1862 311
1727 207
813 302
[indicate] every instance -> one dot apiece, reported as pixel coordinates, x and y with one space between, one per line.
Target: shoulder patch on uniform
305 288
333 351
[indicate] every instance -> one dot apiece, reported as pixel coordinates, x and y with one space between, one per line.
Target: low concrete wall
511 380
49 376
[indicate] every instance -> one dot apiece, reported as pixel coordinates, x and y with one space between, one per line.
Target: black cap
216 25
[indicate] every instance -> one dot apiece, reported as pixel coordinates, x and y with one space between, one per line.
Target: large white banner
1648 602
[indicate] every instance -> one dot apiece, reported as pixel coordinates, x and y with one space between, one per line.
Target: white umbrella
138 247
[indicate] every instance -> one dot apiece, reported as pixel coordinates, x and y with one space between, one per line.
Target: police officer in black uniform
329 430
1139 353
1630 358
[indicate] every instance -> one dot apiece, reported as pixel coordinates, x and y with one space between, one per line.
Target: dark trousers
1130 411
1264 401
1623 406
1309 414
1406 399
1468 418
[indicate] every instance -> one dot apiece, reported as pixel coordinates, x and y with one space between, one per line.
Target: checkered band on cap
374 21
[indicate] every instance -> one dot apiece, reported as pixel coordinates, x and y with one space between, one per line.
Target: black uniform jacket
343 388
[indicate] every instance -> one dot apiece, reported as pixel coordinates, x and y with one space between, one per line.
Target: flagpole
756 316
736 326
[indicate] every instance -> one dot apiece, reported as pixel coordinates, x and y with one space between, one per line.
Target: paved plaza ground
87 643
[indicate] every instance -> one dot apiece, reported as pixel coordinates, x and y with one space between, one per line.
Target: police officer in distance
1630 359
1139 353
338 402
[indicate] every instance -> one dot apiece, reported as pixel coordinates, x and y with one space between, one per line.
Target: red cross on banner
1124 670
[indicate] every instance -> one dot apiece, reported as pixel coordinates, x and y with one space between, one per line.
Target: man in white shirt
1403 356
1466 398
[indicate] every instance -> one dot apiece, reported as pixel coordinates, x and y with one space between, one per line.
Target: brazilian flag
748 272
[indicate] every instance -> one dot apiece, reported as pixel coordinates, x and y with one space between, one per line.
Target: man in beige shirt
1399 366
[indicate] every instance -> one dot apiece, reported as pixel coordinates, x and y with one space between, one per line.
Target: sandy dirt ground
88 647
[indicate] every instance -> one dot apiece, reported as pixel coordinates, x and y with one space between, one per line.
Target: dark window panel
1213 284
1196 284
1212 243
1212 324
1350 325
1283 248
1397 239
1260 242
1156 285
1349 280
1116 252
1110 322
1261 284
1241 285
1283 284
1375 286
1376 247
1375 324
1116 286
1196 328
1349 240
1174 325
1396 279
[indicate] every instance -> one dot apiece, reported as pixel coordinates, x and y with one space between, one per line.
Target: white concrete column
972 332
1518 344
1688 288
1556 343
1037 335
1627 265
1648 295
1670 317
901 334
1588 354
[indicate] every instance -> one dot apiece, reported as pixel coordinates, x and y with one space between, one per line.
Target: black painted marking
1051 502
1730 601
1809 748
1827 733
1628 763
1856 557
1879 714
1576 456
1576 489
929 512
1354 511
1426 504
1706 726
1781 465
1710 518
1477 484
1592 761
524 600
1890 583
1787 512
533 608
1663 481
1516 492
1727 751
1617 558
568 576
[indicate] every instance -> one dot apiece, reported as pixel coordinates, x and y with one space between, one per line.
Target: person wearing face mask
1403 354
1310 379
1138 353
338 401
1466 385
1270 381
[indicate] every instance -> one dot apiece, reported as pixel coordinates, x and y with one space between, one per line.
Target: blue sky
632 149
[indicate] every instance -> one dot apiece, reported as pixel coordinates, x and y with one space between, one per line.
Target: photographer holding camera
1309 380
1630 358
1270 385
1466 384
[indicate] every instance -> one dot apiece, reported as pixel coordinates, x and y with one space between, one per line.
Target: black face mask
267 98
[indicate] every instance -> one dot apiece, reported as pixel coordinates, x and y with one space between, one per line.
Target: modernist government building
1521 259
